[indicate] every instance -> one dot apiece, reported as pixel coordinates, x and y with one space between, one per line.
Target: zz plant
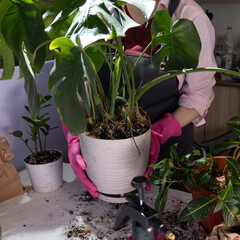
38 129
225 187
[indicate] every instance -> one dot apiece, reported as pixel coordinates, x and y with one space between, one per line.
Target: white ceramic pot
112 164
46 177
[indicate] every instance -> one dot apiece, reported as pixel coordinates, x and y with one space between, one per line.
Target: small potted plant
44 166
213 182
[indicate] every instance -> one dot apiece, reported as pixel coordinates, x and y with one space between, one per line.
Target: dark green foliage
200 173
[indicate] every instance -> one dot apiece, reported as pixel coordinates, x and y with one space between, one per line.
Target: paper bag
223 232
10 182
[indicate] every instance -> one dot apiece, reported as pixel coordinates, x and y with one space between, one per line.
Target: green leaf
198 209
5 51
157 177
203 177
161 199
198 162
229 211
235 182
69 66
226 194
237 194
27 119
89 22
59 14
218 207
234 127
226 144
17 134
233 166
190 181
181 45
173 150
212 187
161 22
23 22
95 54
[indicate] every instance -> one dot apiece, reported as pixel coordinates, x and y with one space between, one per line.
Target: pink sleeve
197 88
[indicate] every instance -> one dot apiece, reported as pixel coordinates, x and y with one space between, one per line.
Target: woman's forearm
185 115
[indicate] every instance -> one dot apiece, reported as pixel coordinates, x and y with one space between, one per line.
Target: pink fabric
77 162
159 237
196 88
166 127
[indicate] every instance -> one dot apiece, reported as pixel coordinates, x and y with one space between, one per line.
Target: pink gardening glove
161 131
158 237
77 162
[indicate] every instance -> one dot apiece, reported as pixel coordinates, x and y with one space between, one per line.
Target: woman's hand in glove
77 162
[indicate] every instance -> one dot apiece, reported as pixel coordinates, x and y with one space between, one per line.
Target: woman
173 105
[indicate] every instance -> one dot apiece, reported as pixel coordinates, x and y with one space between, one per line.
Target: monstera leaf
22 29
180 43
92 19
5 51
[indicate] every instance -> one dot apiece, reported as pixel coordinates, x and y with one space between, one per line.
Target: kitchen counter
71 213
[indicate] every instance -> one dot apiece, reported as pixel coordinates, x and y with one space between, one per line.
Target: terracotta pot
112 164
46 177
207 224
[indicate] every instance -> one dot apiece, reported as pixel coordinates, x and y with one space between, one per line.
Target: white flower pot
46 177
112 164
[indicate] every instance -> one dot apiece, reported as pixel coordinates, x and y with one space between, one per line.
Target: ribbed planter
112 164
46 177
207 224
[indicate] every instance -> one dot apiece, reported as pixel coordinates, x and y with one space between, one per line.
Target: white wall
12 101
224 15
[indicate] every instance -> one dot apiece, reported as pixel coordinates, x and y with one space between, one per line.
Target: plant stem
40 142
175 73
27 146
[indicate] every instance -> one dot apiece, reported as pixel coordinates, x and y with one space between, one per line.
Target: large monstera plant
77 34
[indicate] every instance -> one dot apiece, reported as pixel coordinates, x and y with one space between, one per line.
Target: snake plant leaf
69 68
23 25
229 211
197 209
233 166
180 44
5 51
